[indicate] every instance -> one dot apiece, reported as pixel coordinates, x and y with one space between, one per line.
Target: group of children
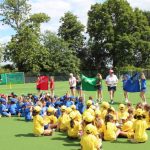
90 122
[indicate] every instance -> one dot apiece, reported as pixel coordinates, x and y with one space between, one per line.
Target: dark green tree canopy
71 30
25 48
61 57
115 31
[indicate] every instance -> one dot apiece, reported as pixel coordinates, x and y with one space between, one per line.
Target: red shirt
51 84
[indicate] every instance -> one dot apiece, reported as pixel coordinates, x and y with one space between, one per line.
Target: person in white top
72 83
111 81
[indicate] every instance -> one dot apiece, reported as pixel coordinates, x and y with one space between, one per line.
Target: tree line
116 36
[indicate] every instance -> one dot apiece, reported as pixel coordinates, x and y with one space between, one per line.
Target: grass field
16 134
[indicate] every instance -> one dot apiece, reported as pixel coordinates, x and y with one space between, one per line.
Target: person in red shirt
38 85
52 85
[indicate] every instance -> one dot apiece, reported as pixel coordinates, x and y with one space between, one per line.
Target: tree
1 52
147 14
110 26
71 30
142 34
61 57
25 48
14 12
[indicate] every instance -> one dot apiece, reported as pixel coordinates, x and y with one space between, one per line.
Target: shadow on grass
67 141
21 120
25 135
122 142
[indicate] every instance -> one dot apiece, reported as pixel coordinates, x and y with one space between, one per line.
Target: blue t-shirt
143 83
80 107
124 83
13 109
3 108
27 114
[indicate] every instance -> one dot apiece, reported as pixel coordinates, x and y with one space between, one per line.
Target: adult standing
72 83
79 85
38 84
111 81
99 87
52 85
124 81
143 88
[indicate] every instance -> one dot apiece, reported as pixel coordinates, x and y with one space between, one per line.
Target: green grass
16 134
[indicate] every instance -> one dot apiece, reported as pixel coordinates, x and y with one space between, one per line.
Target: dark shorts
78 88
99 87
38 88
143 90
72 87
111 88
45 127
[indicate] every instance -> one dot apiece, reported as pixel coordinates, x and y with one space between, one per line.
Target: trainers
111 102
126 100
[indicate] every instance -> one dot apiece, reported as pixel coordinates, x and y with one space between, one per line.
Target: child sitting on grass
109 130
90 141
139 128
38 123
3 108
74 126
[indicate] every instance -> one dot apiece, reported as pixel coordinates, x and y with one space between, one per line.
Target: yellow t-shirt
89 142
99 124
63 120
127 126
94 130
46 120
109 131
79 116
122 115
103 113
146 113
139 128
38 125
53 119
73 132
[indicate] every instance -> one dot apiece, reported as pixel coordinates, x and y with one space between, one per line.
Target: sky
56 9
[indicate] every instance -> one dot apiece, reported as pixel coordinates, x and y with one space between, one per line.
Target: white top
72 82
112 80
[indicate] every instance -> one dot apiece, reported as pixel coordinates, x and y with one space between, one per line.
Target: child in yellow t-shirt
109 129
38 123
78 115
63 120
89 141
139 128
122 112
126 128
50 120
147 114
98 121
104 107
74 126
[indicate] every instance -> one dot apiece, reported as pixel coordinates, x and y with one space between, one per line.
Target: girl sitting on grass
38 123
109 130
139 128
90 141
74 126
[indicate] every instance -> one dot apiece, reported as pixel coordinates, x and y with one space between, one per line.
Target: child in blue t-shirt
28 111
80 105
3 108
13 107
143 88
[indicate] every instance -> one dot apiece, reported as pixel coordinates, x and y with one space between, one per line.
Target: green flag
88 84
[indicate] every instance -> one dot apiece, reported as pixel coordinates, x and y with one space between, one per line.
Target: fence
20 77
12 78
